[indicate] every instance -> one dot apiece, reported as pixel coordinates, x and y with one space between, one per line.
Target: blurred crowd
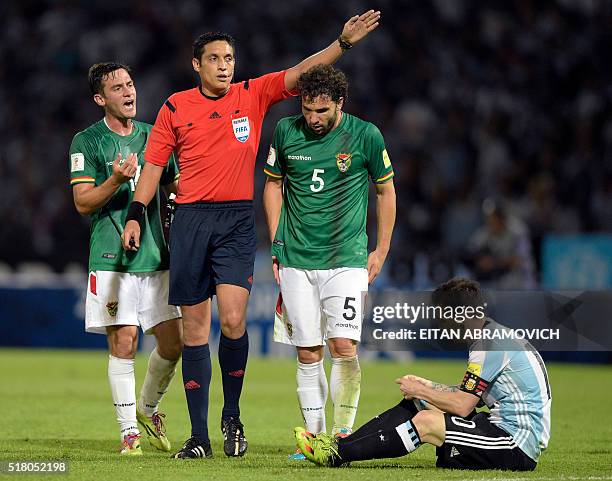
497 115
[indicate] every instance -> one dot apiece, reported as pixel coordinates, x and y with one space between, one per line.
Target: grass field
57 405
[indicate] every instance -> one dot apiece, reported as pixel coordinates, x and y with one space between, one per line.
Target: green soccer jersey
92 154
325 198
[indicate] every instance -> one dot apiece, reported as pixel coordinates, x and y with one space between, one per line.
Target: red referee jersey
215 140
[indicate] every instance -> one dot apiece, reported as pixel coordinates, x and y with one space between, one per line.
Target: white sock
123 389
312 395
409 435
160 372
345 386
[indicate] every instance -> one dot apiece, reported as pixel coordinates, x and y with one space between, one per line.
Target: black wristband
136 212
344 45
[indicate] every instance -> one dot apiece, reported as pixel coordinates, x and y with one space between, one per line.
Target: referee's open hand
357 27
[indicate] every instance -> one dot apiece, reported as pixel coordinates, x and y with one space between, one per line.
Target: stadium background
505 101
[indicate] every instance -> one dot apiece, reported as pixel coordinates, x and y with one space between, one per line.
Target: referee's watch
344 45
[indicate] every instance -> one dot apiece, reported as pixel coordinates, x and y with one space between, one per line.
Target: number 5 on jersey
320 183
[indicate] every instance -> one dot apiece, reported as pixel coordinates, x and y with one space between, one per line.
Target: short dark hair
459 291
202 40
323 80
99 72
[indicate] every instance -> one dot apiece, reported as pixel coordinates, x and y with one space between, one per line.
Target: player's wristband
136 212
344 45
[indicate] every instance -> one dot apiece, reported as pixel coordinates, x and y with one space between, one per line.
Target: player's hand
124 170
131 236
376 259
409 387
422 380
275 269
359 26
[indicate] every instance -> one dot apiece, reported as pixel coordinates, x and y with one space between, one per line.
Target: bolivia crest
343 161
112 308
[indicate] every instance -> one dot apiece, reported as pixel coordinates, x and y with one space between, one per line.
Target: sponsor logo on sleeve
271 157
77 162
386 159
474 368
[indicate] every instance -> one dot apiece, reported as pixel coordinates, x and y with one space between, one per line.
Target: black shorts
476 443
210 243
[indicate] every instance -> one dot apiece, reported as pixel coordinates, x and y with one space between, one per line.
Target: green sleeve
170 173
82 161
378 161
275 164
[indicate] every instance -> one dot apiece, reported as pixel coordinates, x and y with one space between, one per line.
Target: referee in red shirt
214 130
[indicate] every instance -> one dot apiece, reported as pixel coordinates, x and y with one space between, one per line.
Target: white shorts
317 305
127 298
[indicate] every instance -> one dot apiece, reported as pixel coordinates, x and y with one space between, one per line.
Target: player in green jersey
316 200
125 289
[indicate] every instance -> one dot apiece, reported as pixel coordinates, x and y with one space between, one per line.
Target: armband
136 212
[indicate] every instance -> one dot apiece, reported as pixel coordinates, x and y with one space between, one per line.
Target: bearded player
316 203
126 289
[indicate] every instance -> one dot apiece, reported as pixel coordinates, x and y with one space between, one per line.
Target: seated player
513 383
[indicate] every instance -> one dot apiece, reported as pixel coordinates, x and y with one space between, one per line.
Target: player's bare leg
345 384
197 373
160 372
122 345
233 354
431 426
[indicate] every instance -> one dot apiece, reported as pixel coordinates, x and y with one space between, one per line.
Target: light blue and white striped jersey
511 379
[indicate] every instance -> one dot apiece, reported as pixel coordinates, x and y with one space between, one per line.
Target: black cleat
194 448
234 442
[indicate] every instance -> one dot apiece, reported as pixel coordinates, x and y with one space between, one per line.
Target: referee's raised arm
355 29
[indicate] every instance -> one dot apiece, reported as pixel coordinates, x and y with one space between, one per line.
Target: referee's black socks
233 355
197 371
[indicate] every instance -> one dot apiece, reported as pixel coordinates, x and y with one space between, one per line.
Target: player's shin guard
123 389
160 372
390 442
345 387
233 356
312 395
197 372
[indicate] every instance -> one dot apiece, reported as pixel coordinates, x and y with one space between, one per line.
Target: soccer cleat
131 445
297 456
321 449
154 427
234 442
194 448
